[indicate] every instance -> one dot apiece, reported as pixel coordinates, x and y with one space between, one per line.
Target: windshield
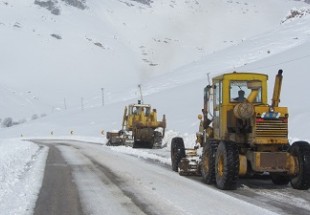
250 91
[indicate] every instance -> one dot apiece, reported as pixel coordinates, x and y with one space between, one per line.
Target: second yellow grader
140 128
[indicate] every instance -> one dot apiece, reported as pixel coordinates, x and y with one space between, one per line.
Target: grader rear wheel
301 150
227 166
177 152
208 162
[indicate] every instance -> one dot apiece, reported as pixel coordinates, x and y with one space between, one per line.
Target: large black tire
177 152
227 166
301 150
136 144
279 179
208 162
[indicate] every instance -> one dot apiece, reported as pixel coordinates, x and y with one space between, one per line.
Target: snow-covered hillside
71 49
66 57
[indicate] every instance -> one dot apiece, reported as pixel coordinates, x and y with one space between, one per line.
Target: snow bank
22 167
158 155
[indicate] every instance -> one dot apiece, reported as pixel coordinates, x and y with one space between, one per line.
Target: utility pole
65 104
102 95
82 103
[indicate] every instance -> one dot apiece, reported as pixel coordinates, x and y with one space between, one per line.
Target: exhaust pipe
277 89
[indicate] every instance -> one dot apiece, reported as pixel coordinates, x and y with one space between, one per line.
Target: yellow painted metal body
272 133
243 165
141 116
273 162
224 104
141 121
259 130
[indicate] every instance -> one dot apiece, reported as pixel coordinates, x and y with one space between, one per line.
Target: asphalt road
59 194
102 191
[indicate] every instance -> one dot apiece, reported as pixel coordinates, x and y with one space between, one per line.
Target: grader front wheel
301 150
208 162
227 166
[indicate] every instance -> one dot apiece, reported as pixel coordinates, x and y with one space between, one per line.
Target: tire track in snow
58 194
98 186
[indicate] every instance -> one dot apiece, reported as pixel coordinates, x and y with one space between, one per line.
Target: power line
284 62
102 96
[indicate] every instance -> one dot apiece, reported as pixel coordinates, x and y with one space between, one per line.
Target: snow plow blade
115 138
189 165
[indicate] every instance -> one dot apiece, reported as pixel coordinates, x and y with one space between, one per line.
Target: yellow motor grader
140 128
241 135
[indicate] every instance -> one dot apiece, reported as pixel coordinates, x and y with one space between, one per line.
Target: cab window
241 91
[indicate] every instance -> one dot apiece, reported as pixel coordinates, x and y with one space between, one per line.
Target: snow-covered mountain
64 52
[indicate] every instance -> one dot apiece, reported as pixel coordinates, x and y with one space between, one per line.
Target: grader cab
240 134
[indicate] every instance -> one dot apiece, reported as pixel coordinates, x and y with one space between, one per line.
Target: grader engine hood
270 125
271 122
262 125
